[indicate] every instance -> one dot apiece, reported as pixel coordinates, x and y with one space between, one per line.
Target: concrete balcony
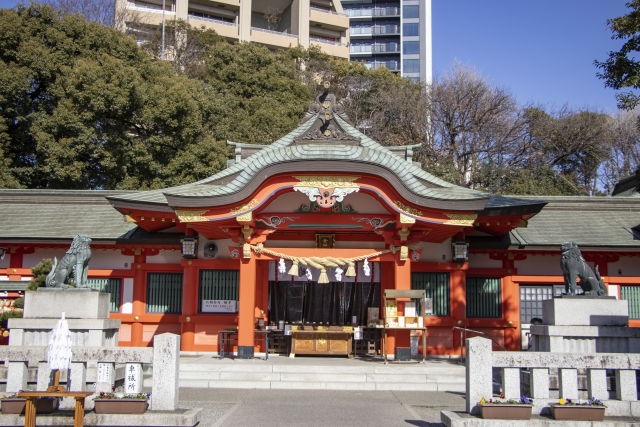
223 28
335 49
329 19
235 3
147 16
273 39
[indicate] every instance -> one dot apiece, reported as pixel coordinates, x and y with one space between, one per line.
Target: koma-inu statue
575 267
74 263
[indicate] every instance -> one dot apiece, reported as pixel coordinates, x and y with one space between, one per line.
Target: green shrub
18 302
13 314
40 272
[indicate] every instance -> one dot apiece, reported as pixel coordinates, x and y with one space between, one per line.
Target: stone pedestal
585 325
87 313
585 311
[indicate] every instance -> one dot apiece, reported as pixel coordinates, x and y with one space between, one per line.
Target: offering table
321 340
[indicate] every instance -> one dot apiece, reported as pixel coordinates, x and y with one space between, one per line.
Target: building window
409 48
411 11
410 30
164 293
632 295
219 291
484 298
410 66
112 286
437 287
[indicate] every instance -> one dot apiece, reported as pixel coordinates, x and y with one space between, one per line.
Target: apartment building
393 34
274 23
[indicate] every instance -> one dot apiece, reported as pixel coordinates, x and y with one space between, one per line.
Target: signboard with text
219 306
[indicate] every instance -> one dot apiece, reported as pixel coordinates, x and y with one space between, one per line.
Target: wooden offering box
321 340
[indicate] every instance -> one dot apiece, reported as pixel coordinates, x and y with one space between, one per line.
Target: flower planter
577 412
16 406
497 411
120 406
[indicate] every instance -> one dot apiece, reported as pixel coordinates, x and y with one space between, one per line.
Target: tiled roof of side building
588 221
60 214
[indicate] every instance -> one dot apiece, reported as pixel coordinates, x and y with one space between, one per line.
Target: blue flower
525 399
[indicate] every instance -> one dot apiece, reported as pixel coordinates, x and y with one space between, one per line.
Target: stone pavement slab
275 408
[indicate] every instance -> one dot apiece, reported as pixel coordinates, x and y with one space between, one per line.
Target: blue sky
542 50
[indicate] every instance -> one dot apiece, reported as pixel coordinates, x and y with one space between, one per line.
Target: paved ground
277 408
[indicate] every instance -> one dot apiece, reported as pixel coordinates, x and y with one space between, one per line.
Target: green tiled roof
587 221
420 184
59 214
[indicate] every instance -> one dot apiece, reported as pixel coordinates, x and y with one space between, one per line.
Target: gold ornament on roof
461 219
327 181
190 216
407 209
405 219
244 208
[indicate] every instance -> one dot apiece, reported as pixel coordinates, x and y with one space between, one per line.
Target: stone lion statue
74 263
575 267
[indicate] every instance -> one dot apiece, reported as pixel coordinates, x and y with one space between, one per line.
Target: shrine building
310 231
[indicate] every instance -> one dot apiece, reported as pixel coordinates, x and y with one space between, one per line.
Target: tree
40 272
622 70
186 46
573 142
100 11
82 106
472 123
623 157
261 97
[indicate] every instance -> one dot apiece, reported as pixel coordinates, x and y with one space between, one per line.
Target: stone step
322 375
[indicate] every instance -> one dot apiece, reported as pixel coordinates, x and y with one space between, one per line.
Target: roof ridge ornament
326 129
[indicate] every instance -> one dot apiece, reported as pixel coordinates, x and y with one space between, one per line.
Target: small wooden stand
56 387
30 406
395 294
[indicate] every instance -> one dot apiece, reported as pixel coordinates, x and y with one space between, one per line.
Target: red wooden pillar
387 282
139 298
246 307
458 304
15 262
402 281
511 313
189 305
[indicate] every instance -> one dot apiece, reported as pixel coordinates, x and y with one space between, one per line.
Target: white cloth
59 350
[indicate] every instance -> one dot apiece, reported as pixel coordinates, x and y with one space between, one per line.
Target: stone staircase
321 373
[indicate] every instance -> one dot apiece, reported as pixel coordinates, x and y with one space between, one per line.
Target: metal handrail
465 330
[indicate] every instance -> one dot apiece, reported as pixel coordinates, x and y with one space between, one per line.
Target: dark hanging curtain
330 303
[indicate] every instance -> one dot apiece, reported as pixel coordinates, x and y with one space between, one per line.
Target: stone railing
481 360
164 356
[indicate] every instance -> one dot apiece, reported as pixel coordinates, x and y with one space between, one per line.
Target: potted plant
580 410
12 404
510 409
119 403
